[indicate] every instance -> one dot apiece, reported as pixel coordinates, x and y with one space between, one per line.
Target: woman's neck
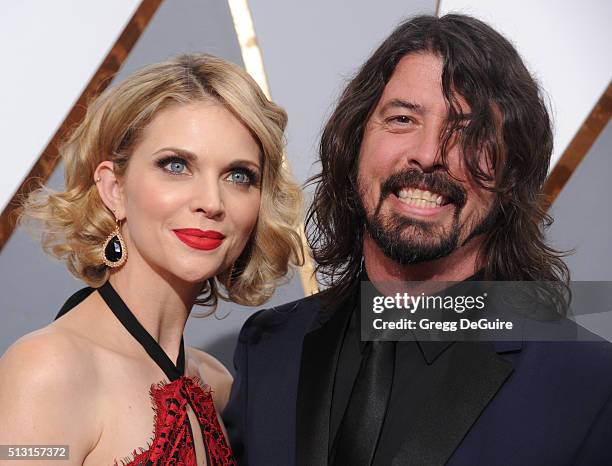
160 302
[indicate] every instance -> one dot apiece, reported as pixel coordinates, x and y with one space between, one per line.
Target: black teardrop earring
114 252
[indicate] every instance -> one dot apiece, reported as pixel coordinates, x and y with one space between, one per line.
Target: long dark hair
509 124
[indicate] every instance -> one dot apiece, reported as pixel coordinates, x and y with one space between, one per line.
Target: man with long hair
432 169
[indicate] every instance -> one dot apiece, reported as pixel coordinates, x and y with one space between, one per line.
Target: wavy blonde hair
75 222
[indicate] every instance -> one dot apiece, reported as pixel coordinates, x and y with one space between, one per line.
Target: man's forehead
416 85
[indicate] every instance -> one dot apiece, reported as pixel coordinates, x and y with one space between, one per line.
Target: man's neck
457 266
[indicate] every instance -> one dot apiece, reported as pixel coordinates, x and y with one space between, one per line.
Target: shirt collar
430 350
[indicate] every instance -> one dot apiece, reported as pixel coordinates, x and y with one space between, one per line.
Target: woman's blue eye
239 178
175 166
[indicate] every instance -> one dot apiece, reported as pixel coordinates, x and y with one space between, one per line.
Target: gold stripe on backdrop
48 160
253 62
578 148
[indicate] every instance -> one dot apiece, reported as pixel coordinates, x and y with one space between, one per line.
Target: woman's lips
200 239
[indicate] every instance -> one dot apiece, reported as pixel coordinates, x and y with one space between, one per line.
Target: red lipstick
200 239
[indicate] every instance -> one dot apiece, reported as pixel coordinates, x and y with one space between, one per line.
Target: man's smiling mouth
420 198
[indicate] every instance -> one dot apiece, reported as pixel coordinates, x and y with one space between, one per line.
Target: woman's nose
208 199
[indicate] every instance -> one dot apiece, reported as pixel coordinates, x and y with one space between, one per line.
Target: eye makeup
174 161
175 164
251 174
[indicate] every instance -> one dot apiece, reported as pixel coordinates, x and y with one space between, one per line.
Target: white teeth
420 198
421 203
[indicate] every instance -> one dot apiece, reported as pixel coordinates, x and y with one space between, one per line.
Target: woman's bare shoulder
46 390
213 373
49 352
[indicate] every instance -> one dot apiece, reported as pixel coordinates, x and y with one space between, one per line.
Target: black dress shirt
408 392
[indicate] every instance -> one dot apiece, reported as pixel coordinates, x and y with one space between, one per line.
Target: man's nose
425 154
208 198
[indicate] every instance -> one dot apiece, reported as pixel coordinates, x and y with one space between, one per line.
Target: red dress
173 441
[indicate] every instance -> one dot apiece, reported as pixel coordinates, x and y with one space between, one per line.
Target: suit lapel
317 371
461 384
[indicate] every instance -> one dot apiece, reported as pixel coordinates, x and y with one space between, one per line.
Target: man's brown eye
399 119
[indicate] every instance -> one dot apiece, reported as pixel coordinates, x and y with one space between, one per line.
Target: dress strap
129 321
74 300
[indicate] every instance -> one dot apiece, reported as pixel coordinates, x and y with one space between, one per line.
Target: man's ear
109 188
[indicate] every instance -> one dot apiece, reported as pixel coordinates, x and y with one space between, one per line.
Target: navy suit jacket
512 403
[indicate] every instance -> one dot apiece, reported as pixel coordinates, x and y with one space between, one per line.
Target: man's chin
420 234
413 254
414 243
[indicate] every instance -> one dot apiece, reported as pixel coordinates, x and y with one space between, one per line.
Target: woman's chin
195 278
186 276
189 272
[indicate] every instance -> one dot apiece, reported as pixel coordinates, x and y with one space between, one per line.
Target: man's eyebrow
399 103
413 107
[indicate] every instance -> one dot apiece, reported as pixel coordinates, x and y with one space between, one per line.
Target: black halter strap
129 321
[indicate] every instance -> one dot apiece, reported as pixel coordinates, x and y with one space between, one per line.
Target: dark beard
408 247
408 241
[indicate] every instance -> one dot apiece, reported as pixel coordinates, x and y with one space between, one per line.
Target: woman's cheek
247 213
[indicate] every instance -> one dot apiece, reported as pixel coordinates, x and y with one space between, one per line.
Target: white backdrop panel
50 51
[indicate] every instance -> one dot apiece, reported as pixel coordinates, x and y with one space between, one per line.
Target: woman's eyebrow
190 156
242 162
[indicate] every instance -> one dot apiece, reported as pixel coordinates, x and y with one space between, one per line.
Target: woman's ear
109 188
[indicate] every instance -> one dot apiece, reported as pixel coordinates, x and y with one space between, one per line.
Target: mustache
437 182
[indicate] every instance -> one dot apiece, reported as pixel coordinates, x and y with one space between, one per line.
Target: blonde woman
175 195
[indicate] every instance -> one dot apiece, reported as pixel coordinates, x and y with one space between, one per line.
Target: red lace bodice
172 443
